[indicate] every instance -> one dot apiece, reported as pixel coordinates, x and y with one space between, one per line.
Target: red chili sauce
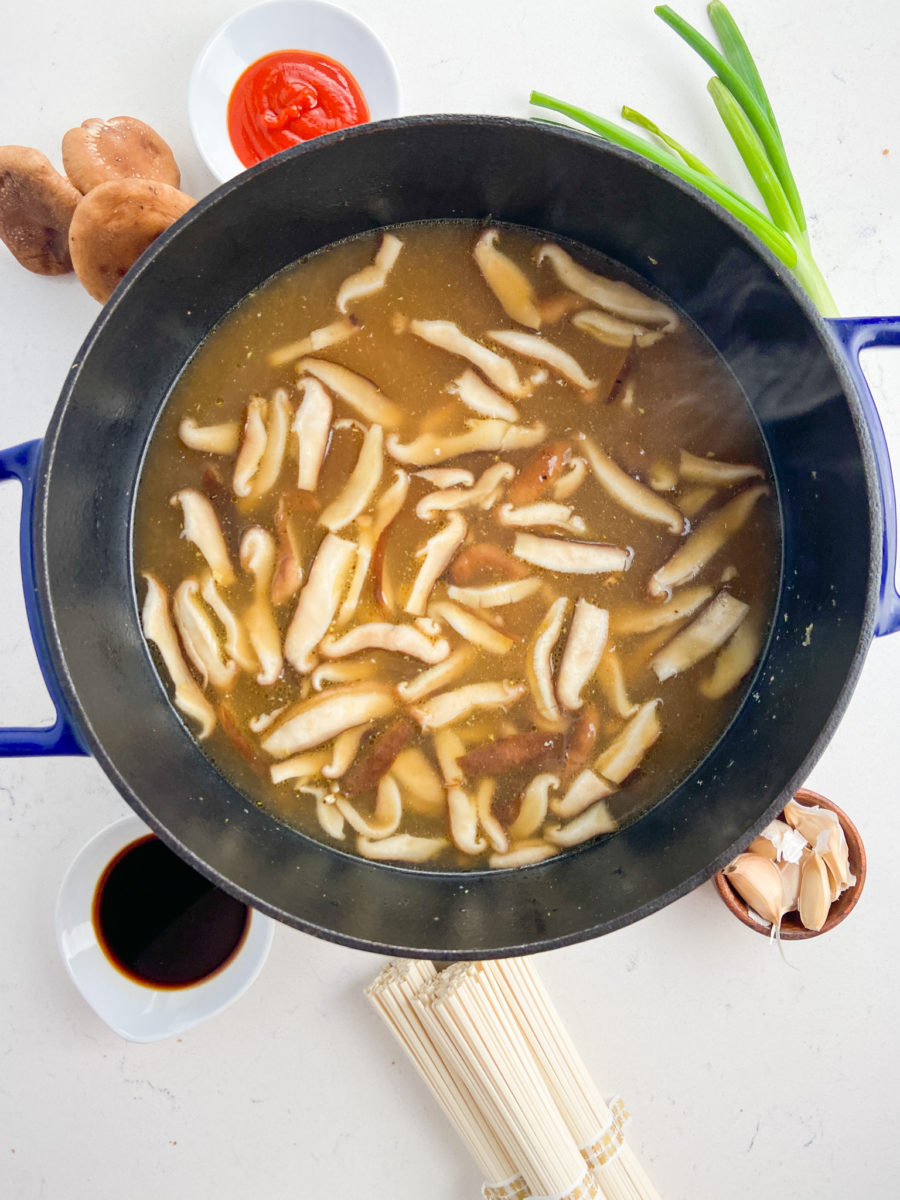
289 97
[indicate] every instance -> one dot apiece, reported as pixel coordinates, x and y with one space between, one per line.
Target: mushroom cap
36 207
114 224
97 151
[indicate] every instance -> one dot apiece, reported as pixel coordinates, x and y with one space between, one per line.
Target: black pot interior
413 169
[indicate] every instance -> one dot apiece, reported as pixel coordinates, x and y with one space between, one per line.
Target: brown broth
684 397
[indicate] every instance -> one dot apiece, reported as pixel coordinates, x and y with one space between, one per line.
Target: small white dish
140 1012
281 25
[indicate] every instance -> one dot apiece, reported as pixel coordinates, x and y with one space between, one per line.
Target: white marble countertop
747 1074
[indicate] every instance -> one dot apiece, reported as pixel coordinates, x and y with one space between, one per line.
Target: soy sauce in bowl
160 922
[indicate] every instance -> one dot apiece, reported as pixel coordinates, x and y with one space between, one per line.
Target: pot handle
856 334
21 462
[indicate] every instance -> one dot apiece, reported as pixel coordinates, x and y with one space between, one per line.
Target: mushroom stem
158 628
370 279
201 526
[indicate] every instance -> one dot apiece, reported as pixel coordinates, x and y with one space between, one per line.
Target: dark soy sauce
160 922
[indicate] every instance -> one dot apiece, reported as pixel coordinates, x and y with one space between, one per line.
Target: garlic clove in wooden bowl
792 928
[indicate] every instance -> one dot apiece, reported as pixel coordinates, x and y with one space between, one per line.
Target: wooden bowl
791 928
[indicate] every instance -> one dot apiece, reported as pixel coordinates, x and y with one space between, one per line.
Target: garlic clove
832 846
758 882
809 819
815 892
764 847
790 884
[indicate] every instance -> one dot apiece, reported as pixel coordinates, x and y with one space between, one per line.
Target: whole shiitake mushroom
36 208
114 224
97 151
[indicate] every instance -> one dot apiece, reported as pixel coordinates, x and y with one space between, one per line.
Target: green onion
636 118
743 104
745 212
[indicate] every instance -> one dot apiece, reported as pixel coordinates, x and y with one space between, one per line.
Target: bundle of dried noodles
491 1046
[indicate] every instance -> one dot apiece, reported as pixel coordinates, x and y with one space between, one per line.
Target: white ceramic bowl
138 1012
281 25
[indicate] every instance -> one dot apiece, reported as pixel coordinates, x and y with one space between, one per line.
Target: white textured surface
747 1076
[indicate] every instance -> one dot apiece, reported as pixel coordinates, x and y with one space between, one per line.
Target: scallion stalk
746 111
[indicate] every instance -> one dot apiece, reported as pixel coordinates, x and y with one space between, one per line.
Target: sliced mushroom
736 659
539 472
396 639
436 555
545 514
695 499
523 854
663 477
323 716
645 618
533 807
483 494
532 345
705 541
446 477
585 789
36 209
508 282
591 823
718 474
158 628
575 558
538 660
199 638
611 679
253 446
403 847
484 559
201 526
570 479
497 369
420 783
453 667
495 595
629 492
378 759
278 424
581 740
534 748
331 821
480 633
385 820
490 434
583 650
448 749
120 148
616 297
463 813
237 642
318 601
613 331
496 835
343 671
362 484
481 398
360 393
260 723
702 637
114 224
625 753
300 766
258 559
288 569
319 339
446 708
312 425
210 439
370 279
